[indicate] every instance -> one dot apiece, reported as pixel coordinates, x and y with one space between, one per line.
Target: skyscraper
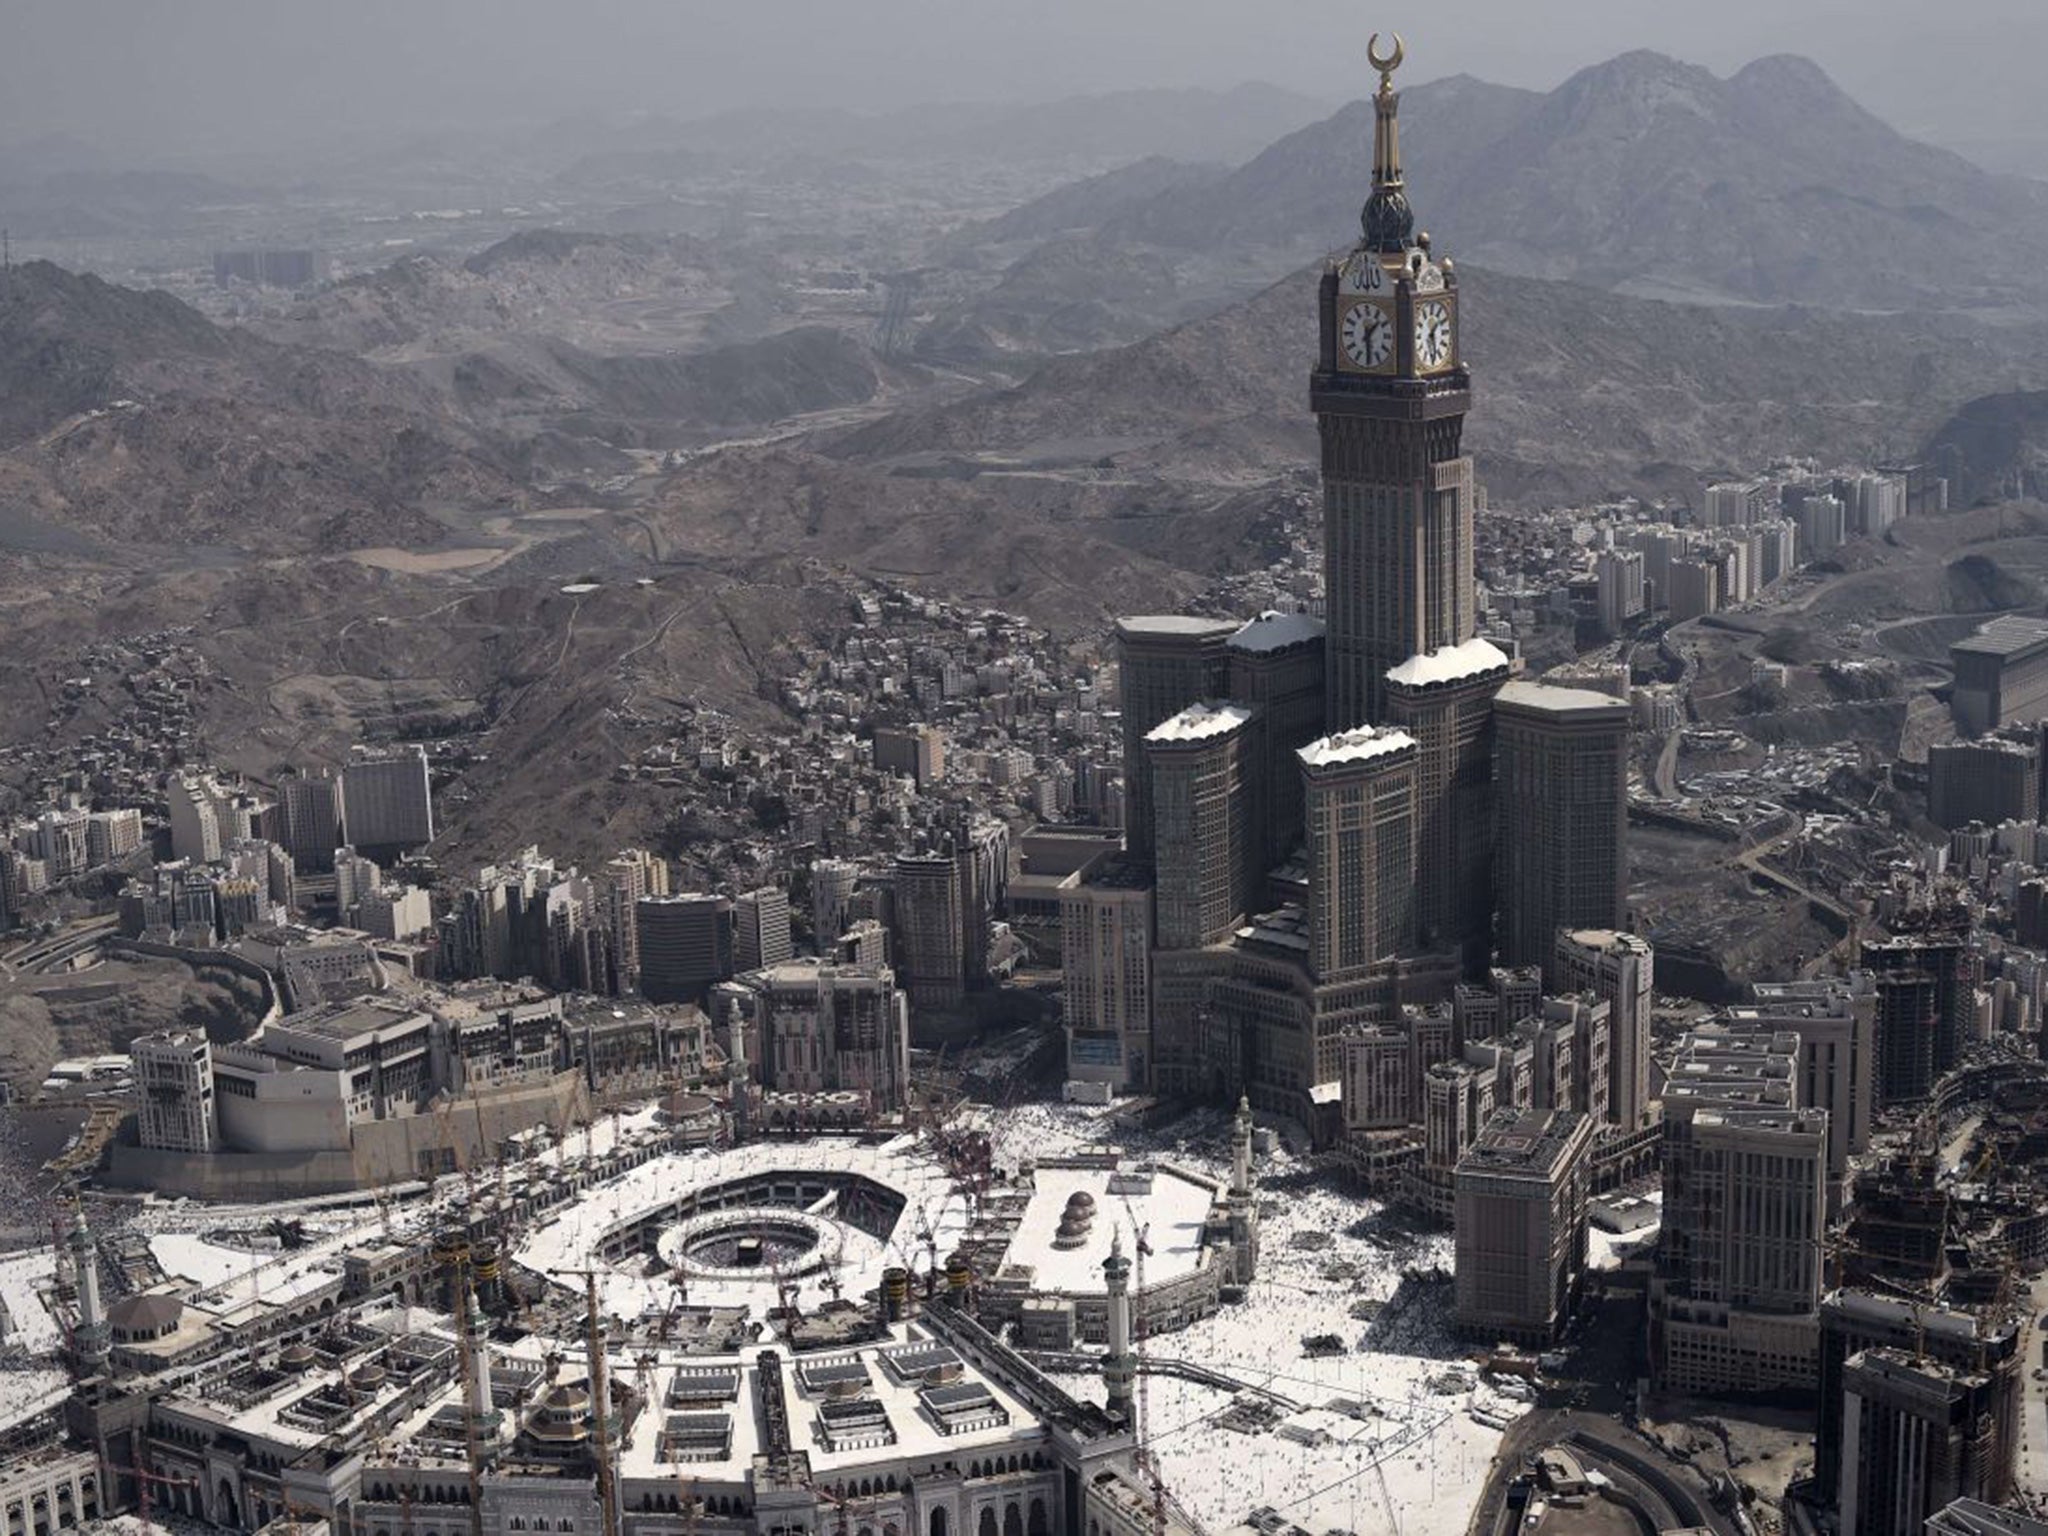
1560 787
313 819
760 929
389 800
1276 667
929 966
1359 793
832 883
1521 1224
1164 663
1390 392
685 945
1734 1302
1445 701
1106 955
1621 968
1202 825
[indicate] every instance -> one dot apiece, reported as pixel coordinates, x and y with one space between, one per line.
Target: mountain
1995 448
1087 204
1577 391
1653 176
127 418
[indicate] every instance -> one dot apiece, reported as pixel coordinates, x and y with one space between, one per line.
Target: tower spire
1386 220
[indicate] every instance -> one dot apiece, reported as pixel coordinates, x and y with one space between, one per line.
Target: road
1674 1497
40 955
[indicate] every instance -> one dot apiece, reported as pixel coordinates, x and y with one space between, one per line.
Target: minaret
1119 1366
1241 1151
736 1078
1390 393
91 1339
481 1403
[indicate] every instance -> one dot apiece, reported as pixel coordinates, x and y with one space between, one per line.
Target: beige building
1520 1214
1359 792
1734 1301
1165 662
1106 956
1202 845
1619 968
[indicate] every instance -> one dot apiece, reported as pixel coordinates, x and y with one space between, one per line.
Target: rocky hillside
1578 391
1654 176
1995 448
127 418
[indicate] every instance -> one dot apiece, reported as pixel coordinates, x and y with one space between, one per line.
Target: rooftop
1273 631
1449 664
1167 626
1358 746
1551 699
1200 722
2005 636
1528 1141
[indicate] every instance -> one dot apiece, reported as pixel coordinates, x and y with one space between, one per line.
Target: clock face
1368 335
1364 273
1433 334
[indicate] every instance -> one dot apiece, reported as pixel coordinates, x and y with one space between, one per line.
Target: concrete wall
383 1151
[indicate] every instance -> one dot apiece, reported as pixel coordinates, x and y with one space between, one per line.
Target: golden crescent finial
1386 66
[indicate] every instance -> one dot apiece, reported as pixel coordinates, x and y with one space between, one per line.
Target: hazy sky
168 76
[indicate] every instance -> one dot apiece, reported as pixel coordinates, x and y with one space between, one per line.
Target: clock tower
1390 393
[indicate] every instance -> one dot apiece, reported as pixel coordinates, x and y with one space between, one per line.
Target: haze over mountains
1099 400
1643 174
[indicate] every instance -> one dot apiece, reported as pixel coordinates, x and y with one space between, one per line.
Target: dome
145 1317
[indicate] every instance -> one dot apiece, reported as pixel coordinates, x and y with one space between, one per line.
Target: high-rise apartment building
1560 786
389 800
112 835
1982 1344
174 1107
1106 957
1991 780
1735 1296
1520 1218
685 945
1917 1434
1165 663
63 841
915 752
1276 668
314 819
981 850
1359 803
832 883
1199 763
760 929
1926 1007
929 965
195 822
1619 968
1836 1022
827 1028
1445 701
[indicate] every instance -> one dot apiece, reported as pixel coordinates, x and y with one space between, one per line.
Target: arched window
1036 1525
1013 1519
938 1522
988 1523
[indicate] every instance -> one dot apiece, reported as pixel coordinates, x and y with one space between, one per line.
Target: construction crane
1147 1463
600 1403
466 1346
